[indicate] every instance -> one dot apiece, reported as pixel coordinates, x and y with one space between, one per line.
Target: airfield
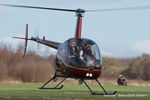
72 91
34 69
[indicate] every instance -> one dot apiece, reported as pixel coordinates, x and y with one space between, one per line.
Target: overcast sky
117 33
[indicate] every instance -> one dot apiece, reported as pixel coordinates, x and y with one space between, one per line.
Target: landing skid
82 81
95 93
55 87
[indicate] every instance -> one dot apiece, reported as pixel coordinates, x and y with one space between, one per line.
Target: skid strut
55 87
95 93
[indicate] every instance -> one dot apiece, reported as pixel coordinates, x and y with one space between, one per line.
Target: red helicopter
76 57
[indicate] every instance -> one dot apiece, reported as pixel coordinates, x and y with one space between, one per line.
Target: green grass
30 91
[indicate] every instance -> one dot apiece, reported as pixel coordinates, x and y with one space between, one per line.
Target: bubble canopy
82 53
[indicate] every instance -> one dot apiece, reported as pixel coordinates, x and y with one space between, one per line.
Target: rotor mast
79 14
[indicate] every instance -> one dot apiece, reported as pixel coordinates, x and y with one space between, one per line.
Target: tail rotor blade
26 31
37 30
25 48
38 43
26 40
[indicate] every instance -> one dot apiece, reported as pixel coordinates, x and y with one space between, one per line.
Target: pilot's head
73 44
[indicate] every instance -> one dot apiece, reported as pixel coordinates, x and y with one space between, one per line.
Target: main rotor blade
69 10
121 9
80 10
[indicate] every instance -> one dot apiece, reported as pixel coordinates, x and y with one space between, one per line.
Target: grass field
30 91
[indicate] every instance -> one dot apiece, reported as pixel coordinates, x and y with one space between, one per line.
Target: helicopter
76 57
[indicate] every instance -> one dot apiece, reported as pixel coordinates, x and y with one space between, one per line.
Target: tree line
132 68
35 68
31 68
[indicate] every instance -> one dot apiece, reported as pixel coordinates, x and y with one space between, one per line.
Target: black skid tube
56 87
95 93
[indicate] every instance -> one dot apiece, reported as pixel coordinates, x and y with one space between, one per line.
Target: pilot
73 53
81 54
73 49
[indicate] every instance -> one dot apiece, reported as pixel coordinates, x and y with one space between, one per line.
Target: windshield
84 53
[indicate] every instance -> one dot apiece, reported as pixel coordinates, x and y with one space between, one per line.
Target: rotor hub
79 12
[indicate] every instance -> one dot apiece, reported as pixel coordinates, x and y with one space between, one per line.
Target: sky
117 33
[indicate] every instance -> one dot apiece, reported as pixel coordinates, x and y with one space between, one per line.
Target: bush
139 68
32 68
111 68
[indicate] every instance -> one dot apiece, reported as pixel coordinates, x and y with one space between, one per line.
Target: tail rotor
26 40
